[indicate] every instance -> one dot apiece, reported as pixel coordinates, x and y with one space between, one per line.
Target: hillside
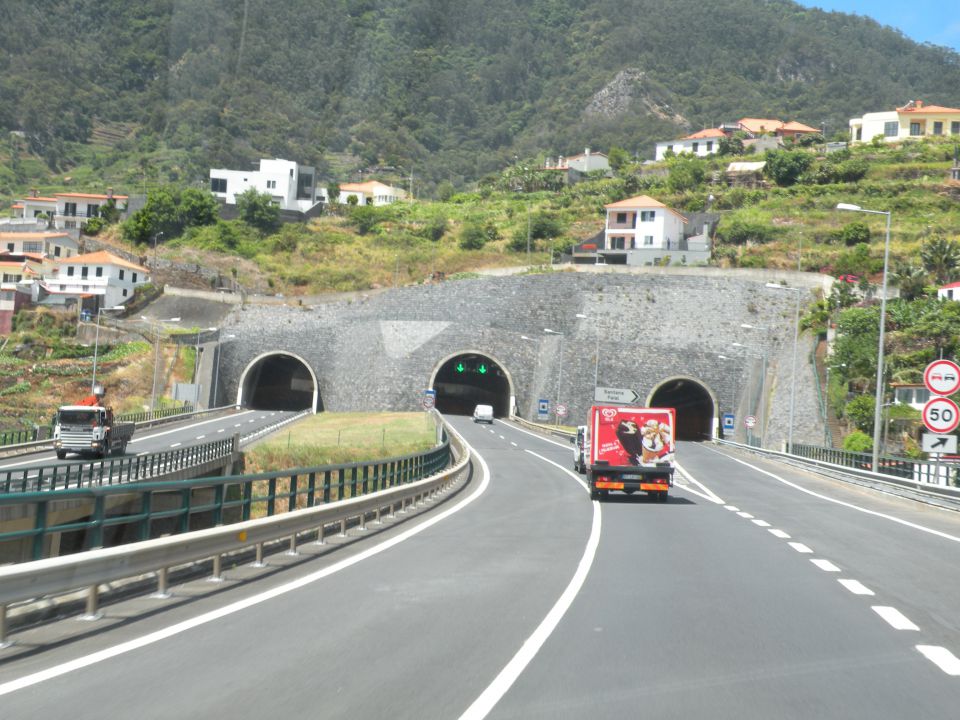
161 90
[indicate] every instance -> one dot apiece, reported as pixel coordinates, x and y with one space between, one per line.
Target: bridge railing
332 494
924 471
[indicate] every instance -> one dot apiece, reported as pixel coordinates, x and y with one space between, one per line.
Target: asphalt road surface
757 591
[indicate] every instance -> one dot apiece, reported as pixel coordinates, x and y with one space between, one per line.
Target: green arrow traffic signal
482 369
460 368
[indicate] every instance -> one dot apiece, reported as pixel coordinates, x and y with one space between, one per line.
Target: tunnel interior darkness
279 382
468 380
693 404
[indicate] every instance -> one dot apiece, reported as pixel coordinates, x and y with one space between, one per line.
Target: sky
933 21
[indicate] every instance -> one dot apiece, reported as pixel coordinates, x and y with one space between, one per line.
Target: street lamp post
548 331
596 351
752 395
156 241
878 398
156 357
796 337
96 345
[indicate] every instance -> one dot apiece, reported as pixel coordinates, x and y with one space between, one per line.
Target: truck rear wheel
61 454
662 496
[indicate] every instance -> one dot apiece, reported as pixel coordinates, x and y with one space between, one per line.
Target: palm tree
911 280
941 257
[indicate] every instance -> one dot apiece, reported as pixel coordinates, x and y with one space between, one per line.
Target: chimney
34 192
109 193
586 151
560 162
918 103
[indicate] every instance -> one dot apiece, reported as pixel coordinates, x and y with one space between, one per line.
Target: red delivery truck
631 449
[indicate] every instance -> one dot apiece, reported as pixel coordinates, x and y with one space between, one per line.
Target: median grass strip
334 439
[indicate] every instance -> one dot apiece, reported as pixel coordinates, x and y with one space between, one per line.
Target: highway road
167 436
757 591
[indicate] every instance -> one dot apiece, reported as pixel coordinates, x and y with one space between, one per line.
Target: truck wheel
662 496
594 494
61 454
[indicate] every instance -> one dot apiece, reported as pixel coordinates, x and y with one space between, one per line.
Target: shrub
473 237
858 442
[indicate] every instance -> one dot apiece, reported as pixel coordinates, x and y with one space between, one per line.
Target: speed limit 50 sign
941 415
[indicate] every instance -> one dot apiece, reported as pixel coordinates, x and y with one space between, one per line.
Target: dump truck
630 449
88 428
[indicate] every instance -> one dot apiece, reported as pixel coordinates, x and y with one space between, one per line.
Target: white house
915 119
585 162
291 186
950 291
702 143
67 210
371 192
110 279
644 231
17 271
50 243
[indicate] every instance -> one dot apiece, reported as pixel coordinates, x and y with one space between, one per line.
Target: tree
911 279
852 233
785 167
941 258
685 173
473 236
859 411
618 158
257 210
730 145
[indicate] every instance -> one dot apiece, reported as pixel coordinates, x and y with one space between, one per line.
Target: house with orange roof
643 231
913 120
702 143
66 210
17 273
371 192
109 279
48 243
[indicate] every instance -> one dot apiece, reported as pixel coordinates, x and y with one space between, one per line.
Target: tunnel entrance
469 379
279 381
693 403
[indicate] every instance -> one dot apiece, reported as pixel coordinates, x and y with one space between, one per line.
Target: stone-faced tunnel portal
279 381
694 406
464 381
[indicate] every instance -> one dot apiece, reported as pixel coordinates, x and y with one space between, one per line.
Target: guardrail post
293 545
311 488
365 481
320 535
93 604
247 500
217 569
3 627
353 481
271 496
163 588
258 562
292 494
40 526
343 527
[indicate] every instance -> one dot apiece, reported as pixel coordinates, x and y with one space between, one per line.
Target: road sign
561 410
429 399
543 409
620 396
932 443
749 421
728 422
942 377
941 415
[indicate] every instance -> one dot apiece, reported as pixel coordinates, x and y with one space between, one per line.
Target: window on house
891 129
218 185
915 128
709 145
859 133
84 271
70 224
124 292
696 146
648 239
617 243
938 128
56 251
70 209
955 127
621 218
70 271
271 184
32 247
99 272
133 278
93 210
121 274
10 247
648 215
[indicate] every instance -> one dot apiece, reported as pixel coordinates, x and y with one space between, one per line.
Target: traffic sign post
429 400
728 422
561 410
942 377
749 421
620 396
543 409
941 415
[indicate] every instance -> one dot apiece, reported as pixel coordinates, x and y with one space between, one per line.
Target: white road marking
855 586
237 425
896 619
746 515
779 533
176 445
825 565
707 493
154 637
761 523
220 430
732 508
200 437
942 658
488 699
864 510
167 432
514 444
800 547
502 437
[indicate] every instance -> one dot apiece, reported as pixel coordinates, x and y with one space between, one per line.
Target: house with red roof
66 210
951 291
643 231
913 120
702 143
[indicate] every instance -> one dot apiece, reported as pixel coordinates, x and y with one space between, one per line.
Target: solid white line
707 494
731 508
800 547
825 565
761 523
746 515
864 510
154 637
942 658
896 619
855 586
488 699
151 436
779 533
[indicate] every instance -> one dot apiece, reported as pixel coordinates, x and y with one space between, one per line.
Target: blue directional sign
728 422
543 409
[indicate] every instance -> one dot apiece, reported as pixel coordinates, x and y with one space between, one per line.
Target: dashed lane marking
896 619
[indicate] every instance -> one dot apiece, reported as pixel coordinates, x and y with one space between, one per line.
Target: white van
483 413
580 449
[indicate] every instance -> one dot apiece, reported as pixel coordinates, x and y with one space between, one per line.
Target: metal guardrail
943 492
540 427
411 480
18 437
924 471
